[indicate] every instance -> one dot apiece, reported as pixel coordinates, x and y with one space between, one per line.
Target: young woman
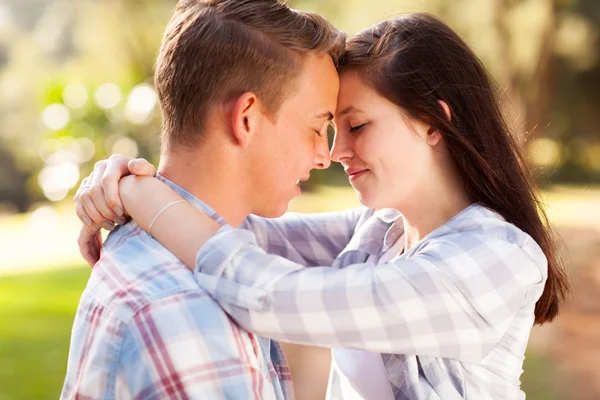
438 289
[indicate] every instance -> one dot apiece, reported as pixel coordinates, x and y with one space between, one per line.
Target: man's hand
98 204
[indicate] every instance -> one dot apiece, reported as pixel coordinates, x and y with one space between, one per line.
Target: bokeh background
76 86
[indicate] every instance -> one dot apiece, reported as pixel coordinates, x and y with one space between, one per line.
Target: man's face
296 142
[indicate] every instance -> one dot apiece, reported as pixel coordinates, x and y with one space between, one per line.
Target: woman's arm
440 302
308 239
181 228
443 301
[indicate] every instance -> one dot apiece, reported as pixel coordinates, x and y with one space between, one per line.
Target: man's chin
274 211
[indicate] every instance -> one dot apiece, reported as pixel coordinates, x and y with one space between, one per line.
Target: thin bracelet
160 212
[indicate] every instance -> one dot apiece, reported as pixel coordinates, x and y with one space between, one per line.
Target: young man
247 89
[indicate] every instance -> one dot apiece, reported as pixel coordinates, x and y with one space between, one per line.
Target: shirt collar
393 219
193 200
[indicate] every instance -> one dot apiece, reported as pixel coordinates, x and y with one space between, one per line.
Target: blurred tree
76 76
544 56
13 182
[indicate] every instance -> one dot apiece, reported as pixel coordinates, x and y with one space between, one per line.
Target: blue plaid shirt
451 316
145 330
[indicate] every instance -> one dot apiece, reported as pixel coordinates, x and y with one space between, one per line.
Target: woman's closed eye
357 128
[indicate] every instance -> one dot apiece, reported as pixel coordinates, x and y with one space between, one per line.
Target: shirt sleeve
307 239
179 347
454 297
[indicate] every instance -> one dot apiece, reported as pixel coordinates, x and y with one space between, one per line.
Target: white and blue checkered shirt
451 316
145 330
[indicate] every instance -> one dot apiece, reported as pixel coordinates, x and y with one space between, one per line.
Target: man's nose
322 160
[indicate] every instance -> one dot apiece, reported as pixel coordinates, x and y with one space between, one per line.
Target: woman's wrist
176 224
143 197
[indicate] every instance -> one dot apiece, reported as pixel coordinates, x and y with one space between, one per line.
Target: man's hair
216 50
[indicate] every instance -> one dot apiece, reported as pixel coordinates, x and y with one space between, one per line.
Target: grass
37 312
539 379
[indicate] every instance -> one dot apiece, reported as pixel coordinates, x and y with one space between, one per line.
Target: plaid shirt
451 317
145 330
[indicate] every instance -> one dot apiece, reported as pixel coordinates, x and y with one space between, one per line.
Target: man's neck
210 176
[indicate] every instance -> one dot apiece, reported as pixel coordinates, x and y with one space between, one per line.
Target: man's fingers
141 167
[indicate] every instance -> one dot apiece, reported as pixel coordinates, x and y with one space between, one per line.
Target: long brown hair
415 61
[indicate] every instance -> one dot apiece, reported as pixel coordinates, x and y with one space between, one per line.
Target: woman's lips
354 175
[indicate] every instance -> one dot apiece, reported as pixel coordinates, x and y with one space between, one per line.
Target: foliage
56 59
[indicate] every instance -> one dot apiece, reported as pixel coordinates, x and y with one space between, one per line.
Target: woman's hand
98 203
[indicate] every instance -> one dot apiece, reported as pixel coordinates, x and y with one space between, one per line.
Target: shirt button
264 303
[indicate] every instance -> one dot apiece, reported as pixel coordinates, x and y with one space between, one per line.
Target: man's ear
244 116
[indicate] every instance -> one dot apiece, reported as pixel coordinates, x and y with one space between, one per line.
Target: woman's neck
437 202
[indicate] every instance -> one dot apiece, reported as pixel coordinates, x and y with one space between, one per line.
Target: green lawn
37 311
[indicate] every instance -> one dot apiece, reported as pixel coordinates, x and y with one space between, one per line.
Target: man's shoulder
135 271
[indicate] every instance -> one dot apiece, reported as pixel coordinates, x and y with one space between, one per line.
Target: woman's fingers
93 213
141 167
116 168
98 198
89 245
80 211
83 193
83 186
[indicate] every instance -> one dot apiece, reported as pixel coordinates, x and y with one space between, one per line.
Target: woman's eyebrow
348 110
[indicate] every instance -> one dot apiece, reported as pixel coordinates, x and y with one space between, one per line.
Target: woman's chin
371 200
365 199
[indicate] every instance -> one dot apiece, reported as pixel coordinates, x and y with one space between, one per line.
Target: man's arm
185 344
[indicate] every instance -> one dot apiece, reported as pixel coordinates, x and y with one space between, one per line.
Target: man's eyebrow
326 114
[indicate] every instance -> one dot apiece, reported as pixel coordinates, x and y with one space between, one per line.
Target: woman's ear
244 116
434 135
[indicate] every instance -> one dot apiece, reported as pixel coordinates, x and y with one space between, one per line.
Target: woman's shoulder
480 221
478 233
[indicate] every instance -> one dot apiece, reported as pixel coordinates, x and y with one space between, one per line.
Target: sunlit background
76 86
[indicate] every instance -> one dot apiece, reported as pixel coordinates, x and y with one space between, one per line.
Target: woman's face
384 152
